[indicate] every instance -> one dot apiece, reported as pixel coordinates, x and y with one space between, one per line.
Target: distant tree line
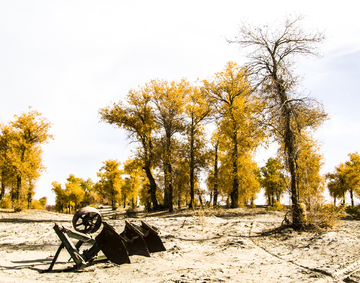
345 178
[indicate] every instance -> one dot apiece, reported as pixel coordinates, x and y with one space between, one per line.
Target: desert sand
202 246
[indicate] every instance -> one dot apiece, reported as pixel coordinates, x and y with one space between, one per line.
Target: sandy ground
202 246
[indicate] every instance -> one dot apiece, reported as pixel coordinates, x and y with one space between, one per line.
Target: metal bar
55 257
90 254
79 236
74 253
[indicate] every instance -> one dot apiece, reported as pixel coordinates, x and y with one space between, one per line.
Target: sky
68 59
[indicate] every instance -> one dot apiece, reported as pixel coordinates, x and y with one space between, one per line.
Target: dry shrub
276 207
324 216
130 212
50 207
353 211
202 215
6 202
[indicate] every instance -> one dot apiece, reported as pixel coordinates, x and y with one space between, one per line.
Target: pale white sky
67 59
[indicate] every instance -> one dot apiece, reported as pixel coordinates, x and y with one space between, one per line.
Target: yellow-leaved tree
20 155
169 100
273 180
74 191
311 183
136 117
198 108
110 182
346 178
77 193
353 175
61 199
133 176
214 155
237 111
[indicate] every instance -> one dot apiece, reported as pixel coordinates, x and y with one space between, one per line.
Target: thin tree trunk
216 175
192 169
235 187
2 191
179 199
200 200
290 153
168 197
153 187
16 195
352 197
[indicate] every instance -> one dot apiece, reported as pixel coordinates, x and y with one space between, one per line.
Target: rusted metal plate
112 245
151 237
134 240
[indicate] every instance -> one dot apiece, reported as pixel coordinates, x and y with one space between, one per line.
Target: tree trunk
2 191
235 188
168 197
352 197
290 153
124 195
16 195
179 199
200 200
192 169
216 175
152 187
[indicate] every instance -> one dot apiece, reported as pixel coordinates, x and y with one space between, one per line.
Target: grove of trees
345 178
20 156
196 142
171 122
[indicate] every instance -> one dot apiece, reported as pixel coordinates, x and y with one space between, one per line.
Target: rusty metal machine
134 240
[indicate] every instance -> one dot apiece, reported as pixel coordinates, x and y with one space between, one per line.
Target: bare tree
272 52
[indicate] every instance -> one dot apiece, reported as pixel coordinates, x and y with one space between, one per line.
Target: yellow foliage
36 204
277 206
110 182
6 201
324 216
20 154
345 178
19 205
273 180
138 119
239 129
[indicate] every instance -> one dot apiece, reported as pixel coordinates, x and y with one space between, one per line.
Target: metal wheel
87 220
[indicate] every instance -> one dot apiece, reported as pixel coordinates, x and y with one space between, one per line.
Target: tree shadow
20 220
23 247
